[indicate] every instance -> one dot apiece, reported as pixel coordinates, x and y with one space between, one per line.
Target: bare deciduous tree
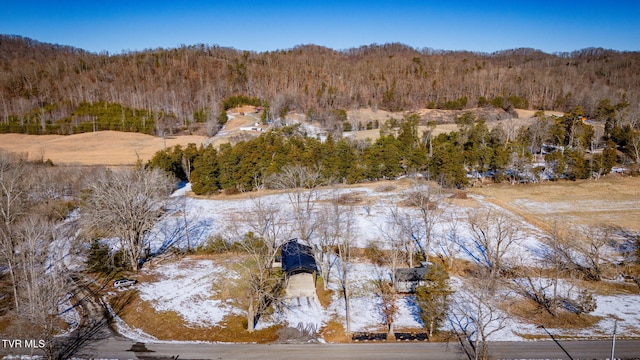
14 198
403 230
127 204
448 242
302 185
493 236
41 279
579 250
427 199
268 230
344 246
330 230
388 294
264 288
592 246
474 318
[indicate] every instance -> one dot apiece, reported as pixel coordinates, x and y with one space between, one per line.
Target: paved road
119 348
397 351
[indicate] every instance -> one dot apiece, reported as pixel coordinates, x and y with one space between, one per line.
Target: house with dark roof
297 258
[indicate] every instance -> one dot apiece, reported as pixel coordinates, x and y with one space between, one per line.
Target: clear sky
484 26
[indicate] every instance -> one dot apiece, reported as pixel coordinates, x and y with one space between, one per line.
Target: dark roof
411 274
297 258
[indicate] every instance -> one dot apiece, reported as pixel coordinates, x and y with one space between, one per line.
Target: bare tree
344 246
394 233
474 318
41 279
388 294
127 204
398 251
448 242
403 229
302 185
493 235
263 232
578 249
264 287
14 202
427 199
330 229
594 240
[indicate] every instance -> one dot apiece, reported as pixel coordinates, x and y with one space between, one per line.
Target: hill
179 87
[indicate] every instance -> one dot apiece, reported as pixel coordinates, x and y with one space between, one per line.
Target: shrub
374 253
102 260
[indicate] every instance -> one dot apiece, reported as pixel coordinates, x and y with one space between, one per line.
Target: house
297 258
300 269
256 127
408 279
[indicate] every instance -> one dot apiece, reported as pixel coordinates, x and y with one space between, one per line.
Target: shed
408 279
297 258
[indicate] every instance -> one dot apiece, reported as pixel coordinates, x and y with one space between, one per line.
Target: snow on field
571 206
366 307
186 287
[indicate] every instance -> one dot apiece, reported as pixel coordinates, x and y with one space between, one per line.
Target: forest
48 88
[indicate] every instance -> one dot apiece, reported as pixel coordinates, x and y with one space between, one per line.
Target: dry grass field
612 200
110 148
444 118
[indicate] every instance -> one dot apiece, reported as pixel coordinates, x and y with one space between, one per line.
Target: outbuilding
408 279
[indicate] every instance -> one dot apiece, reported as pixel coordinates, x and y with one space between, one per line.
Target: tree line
549 148
189 84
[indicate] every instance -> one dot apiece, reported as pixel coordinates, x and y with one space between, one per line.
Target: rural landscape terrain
440 197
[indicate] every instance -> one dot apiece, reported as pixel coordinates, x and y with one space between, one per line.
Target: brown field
103 147
612 200
444 118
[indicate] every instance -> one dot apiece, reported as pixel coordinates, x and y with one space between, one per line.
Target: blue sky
484 26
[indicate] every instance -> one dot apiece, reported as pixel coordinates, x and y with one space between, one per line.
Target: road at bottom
115 348
120 348
586 349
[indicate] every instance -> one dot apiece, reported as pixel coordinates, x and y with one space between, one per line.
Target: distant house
297 258
408 279
255 127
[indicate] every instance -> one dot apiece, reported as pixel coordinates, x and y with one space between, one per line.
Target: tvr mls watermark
23 344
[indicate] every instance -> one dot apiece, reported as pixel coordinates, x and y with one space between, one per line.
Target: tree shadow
97 318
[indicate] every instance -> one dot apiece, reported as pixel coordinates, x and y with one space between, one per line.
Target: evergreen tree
576 164
432 297
609 156
447 163
205 178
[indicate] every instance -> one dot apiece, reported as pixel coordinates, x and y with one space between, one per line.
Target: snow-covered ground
186 286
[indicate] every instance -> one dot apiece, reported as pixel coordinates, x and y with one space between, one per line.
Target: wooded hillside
43 83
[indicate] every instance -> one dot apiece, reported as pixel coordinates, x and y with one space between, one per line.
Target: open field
612 200
97 148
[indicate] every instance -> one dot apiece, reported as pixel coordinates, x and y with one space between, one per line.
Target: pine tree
205 177
432 297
